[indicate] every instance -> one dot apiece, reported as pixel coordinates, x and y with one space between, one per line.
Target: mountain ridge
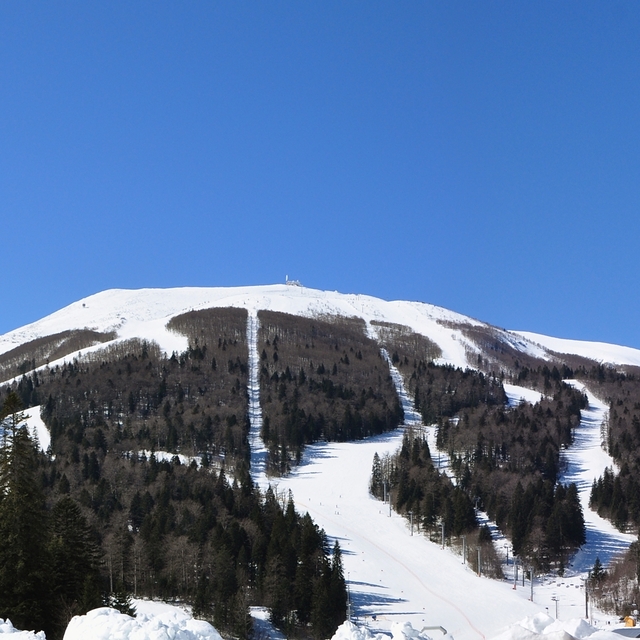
144 313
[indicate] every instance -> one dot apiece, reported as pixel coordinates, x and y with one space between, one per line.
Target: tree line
200 532
320 380
505 459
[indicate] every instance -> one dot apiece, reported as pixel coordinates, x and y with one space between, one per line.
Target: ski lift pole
531 576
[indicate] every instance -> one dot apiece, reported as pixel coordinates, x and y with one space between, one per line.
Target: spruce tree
75 557
375 486
337 589
25 595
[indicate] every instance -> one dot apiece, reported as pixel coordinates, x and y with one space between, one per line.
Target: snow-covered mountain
144 314
390 571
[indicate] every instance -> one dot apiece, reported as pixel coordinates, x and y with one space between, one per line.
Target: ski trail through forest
411 417
258 448
583 462
440 458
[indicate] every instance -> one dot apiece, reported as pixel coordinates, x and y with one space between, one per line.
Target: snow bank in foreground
399 631
7 628
543 627
170 623
538 627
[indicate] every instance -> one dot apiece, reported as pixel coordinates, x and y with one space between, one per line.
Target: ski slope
584 462
392 575
258 448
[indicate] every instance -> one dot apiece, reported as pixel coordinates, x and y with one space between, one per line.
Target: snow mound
399 631
7 628
543 627
170 623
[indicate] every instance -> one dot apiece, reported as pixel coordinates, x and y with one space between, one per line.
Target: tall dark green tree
25 595
75 557
376 476
337 589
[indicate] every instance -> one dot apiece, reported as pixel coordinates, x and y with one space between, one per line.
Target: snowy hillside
144 314
393 575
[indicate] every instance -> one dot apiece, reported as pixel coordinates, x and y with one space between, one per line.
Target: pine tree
518 519
597 574
337 590
376 476
25 595
75 556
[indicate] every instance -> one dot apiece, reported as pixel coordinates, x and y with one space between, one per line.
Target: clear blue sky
482 156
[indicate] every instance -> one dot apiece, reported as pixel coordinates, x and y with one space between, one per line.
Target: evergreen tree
597 574
337 590
518 518
576 530
74 554
376 476
25 595
321 623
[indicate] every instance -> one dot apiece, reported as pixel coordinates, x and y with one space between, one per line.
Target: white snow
167 456
411 417
262 627
258 448
537 627
516 394
584 462
399 631
6 628
544 627
153 621
37 427
599 351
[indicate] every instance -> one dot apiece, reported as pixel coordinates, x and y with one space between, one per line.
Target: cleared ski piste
585 461
401 579
391 574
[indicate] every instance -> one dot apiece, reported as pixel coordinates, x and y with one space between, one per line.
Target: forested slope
200 531
505 459
321 379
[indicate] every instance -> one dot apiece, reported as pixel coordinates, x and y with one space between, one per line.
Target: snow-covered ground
584 462
258 448
516 394
37 428
411 417
167 456
392 575
599 351
6 628
538 627
153 621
